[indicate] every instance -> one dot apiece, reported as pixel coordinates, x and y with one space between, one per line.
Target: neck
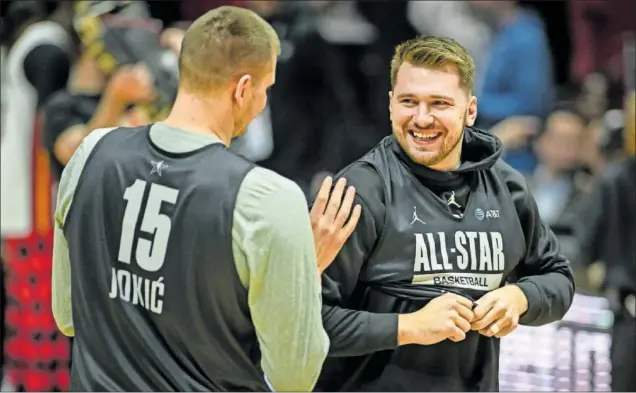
452 161
211 115
446 165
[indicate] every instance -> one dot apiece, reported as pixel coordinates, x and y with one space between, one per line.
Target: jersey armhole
82 176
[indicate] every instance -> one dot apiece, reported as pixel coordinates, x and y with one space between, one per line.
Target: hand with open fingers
333 220
497 312
445 317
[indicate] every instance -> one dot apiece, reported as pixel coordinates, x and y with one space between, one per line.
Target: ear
390 100
243 89
471 111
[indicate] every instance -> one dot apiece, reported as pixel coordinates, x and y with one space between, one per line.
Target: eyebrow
445 98
434 97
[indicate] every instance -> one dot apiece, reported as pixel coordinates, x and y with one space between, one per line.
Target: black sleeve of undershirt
353 332
544 275
58 115
47 68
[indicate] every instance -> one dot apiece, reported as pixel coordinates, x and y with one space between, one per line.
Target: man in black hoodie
449 254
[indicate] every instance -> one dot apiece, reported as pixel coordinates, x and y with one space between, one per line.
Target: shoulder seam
81 175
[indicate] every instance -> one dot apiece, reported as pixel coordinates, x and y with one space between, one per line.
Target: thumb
484 304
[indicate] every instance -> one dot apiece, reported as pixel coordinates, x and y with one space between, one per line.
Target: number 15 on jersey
149 254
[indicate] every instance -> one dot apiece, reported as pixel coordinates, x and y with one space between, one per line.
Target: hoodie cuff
383 329
531 290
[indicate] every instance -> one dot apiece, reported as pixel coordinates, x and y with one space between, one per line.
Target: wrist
521 299
405 332
113 98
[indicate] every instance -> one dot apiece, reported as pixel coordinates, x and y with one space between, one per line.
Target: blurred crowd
555 84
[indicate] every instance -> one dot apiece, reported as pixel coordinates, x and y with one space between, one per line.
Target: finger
509 327
461 323
321 198
353 221
505 331
491 330
484 304
467 303
345 207
335 200
495 327
457 334
495 313
465 312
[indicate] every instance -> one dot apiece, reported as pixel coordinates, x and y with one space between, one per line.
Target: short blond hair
436 53
223 44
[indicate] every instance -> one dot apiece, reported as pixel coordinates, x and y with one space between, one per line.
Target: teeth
425 135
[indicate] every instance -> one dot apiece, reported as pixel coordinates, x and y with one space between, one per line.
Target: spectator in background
606 230
35 64
518 80
454 19
590 152
309 110
597 37
560 185
92 101
96 100
555 183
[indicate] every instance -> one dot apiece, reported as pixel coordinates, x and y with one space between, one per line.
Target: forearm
276 261
292 351
61 285
549 297
108 114
355 333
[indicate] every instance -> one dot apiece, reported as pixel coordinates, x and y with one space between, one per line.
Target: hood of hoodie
480 151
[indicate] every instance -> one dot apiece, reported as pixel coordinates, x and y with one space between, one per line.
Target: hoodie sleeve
544 275
353 332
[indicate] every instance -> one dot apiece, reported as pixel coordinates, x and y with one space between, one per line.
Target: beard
428 155
241 121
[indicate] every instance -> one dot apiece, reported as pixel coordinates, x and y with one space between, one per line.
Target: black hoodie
412 244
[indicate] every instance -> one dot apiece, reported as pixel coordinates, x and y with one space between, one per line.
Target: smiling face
431 103
429 110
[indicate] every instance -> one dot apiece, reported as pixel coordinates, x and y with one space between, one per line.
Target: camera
115 35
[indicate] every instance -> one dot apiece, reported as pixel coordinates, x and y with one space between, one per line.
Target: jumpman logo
451 201
415 218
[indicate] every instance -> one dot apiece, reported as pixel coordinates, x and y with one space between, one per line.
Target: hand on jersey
497 312
332 220
445 317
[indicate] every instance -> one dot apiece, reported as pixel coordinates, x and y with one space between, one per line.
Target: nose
423 118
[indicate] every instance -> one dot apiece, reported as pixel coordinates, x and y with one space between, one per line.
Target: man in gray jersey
177 264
